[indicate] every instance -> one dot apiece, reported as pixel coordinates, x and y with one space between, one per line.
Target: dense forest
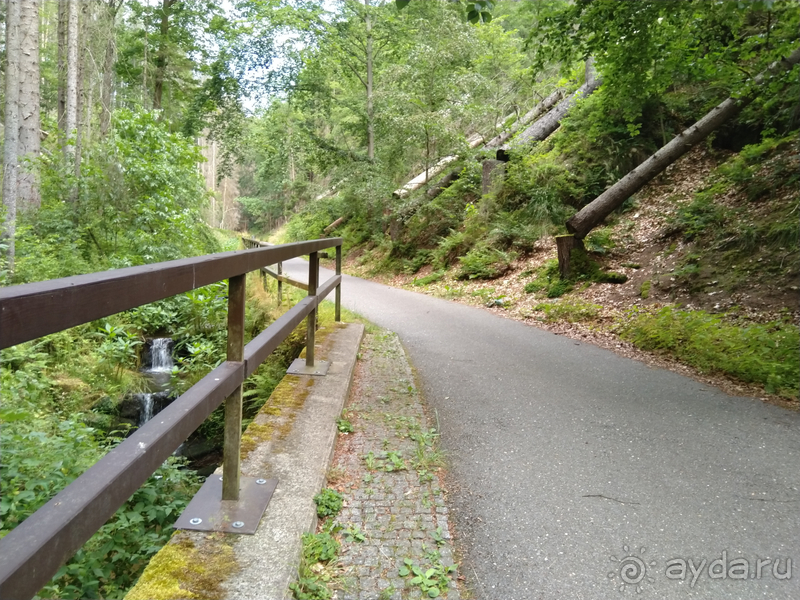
452 144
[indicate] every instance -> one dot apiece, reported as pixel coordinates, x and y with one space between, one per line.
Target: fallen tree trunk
533 114
596 211
423 177
542 129
444 183
333 225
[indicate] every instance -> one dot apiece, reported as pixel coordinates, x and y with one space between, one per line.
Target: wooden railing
32 553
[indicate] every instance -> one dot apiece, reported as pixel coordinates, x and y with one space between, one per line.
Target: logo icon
632 570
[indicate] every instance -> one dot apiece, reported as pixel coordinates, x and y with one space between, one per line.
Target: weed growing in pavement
316 567
387 593
329 503
394 462
438 536
353 533
369 460
432 581
344 426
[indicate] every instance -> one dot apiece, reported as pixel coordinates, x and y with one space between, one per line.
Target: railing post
280 284
311 320
338 311
233 403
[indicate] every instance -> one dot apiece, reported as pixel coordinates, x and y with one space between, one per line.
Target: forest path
564 459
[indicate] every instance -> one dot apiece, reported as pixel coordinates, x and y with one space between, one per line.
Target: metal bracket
207 511
298 367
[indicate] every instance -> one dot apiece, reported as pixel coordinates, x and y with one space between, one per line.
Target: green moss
181 570
256 433
644 289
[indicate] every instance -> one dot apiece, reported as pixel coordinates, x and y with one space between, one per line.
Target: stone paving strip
395 534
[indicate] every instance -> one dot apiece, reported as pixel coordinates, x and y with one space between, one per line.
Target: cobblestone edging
387 472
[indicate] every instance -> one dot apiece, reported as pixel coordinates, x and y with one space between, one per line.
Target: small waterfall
146 401
161 355
157 366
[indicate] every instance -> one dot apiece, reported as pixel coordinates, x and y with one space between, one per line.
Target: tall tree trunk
62 69
11 131
106 94
596 211
81 104
161 57
542 129
370 109
71 104
29 103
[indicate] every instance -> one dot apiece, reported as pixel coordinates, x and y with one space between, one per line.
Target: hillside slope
716 233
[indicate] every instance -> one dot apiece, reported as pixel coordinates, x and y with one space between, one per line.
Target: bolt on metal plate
209 512
298 367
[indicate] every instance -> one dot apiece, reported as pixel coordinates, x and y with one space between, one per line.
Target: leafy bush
41 456
484 262
758 353
329 503
137 201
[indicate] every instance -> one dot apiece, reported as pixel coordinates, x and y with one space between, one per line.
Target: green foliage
118 349
138 201
344 426
599 240
318 549
572 311
329 503
702 215
548 280
759 353
43 454
541 183
484 262
428 279
353 533
432 581
310 588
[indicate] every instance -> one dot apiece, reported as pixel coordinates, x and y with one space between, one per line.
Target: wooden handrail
32 553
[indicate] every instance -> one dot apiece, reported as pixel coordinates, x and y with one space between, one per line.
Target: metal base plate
207 511
298 367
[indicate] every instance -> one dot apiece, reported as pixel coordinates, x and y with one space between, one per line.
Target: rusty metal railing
32 553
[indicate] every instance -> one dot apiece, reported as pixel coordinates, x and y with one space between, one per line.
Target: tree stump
565 244
489 167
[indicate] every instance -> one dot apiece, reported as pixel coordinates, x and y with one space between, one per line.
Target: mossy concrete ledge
291 439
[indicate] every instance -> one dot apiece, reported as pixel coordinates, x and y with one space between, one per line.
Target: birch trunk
71 103
29 103
596 211
11 130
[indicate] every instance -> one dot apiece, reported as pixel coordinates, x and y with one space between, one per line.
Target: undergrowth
757 353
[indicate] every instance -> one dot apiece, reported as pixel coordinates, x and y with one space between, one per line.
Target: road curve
579 474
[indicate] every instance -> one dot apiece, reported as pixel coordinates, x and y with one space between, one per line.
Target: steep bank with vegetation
701 265
710 303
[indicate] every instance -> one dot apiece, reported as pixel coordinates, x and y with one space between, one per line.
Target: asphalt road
579 474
